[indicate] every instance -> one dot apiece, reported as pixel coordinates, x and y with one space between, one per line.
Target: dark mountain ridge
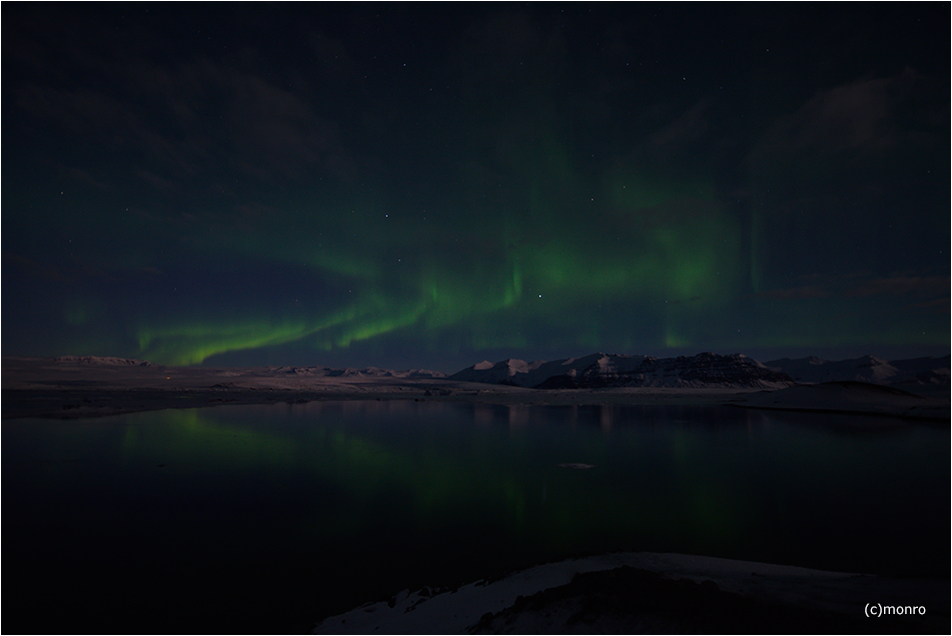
612 370
705 370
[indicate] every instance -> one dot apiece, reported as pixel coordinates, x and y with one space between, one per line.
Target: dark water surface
269 518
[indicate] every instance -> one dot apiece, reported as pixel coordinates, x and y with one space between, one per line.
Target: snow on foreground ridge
549 599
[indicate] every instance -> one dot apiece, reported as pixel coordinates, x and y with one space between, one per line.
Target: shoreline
73 403
48 388
96 400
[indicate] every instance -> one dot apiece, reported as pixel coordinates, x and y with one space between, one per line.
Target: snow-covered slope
633 593
601 370
865 369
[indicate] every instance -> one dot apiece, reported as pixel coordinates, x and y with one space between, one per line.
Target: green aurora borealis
505 275
514 183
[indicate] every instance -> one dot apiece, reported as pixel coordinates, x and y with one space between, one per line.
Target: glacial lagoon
268 518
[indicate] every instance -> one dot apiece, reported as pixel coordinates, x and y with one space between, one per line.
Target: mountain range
601 370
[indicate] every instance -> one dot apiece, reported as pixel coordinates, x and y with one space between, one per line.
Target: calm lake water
269 518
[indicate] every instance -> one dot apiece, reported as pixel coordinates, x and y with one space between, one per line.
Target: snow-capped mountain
530 374
601 370
865 369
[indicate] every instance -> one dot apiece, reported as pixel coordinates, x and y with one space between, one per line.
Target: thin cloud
870 114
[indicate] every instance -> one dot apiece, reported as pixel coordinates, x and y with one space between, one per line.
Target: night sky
433 185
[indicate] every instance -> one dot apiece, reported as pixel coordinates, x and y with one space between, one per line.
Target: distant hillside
915 371
368 372
104 361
